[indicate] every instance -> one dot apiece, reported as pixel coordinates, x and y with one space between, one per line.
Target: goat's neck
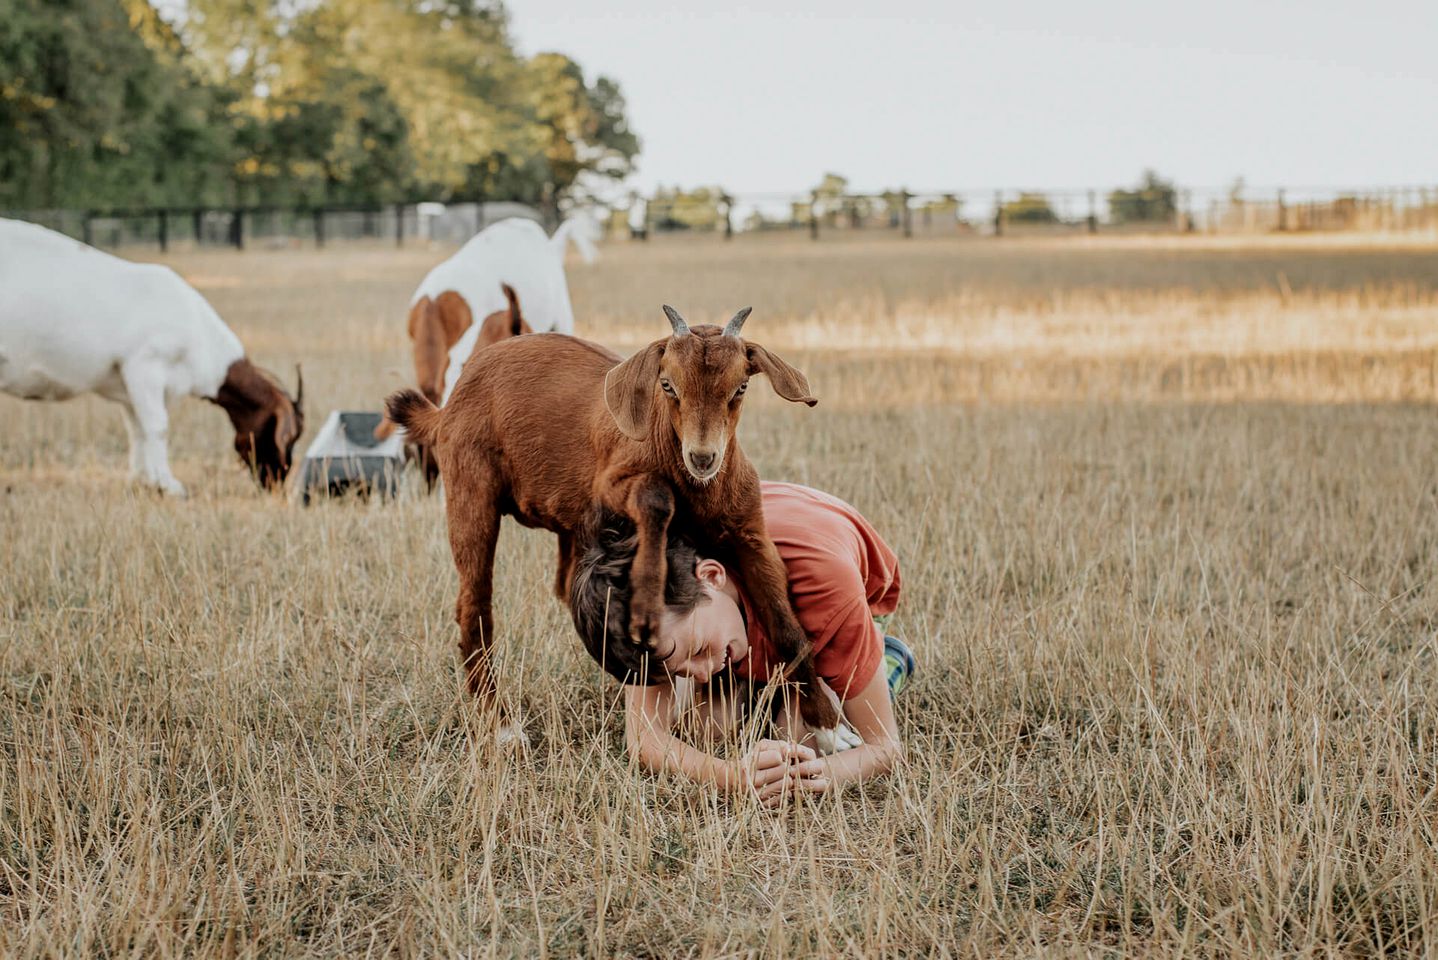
245 391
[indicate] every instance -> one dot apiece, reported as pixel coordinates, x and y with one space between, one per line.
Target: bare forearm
664 753
864 762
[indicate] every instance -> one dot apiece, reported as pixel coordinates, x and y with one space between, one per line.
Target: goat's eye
668 387
740 391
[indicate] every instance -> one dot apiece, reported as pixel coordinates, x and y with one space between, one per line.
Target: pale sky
952 96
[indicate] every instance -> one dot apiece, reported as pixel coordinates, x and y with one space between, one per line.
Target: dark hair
599 596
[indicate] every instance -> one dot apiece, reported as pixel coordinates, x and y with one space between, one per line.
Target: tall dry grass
1167 520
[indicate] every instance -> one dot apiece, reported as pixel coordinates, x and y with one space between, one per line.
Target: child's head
701 631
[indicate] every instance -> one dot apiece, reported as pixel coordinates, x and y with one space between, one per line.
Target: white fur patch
511 735
827 741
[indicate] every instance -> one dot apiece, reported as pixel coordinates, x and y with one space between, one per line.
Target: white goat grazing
518 253
75 320
466 301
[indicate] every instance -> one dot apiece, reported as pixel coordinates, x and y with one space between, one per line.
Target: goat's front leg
649 502
768 583
149 424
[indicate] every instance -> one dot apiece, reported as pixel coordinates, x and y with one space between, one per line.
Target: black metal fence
903 212
244 227
1000 212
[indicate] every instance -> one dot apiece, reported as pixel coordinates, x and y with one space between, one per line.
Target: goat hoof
827 742
511 735
643 628
171 488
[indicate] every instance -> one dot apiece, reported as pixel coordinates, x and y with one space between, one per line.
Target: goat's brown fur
527 432
267 421
435 326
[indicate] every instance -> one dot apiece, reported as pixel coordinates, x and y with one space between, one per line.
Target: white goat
463 303
518 253
76 320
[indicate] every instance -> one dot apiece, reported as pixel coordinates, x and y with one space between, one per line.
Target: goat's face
698 376
267 421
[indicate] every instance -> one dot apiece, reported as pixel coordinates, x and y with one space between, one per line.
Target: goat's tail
412 410
584 230
516 318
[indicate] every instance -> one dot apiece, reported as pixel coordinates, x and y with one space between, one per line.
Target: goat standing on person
543 428
75 320
507 263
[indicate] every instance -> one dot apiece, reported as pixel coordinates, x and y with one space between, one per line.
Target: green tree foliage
1029 208
284 102
98 109
698 209
1155 200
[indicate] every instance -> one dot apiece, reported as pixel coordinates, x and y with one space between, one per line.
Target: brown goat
266 421
435 326
544 427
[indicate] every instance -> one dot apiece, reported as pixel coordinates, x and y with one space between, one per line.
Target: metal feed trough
344 455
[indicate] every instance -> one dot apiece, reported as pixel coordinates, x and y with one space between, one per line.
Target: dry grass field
1168 515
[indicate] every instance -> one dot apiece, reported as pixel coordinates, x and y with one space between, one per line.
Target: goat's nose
701 461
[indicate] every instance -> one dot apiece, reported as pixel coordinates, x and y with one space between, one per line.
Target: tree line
104 104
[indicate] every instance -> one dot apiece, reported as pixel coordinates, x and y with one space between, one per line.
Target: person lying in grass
711 655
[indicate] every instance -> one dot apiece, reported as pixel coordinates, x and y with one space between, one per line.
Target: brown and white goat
76 320
435 326
545 427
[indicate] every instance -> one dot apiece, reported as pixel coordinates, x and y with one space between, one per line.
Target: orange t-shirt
841 576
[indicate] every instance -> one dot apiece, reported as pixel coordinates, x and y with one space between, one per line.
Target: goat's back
530 412
71 314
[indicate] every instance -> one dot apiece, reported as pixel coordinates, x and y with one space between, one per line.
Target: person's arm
871 713
768 770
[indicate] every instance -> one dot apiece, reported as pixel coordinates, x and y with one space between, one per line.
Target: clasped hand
774 769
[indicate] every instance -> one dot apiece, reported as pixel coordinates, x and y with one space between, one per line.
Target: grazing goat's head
267 421
692 383
435 325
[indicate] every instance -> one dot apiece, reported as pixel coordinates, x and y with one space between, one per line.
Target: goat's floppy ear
787 381
287 430
418 310
629 390
454 316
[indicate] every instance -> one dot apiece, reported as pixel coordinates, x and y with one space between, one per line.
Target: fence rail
904 212
241 227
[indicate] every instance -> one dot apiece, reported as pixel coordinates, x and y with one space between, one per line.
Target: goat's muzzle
703 465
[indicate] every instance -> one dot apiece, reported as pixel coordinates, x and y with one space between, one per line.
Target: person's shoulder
818 535
796 496
791 509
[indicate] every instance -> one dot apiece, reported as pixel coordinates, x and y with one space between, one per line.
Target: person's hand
767 770
810 776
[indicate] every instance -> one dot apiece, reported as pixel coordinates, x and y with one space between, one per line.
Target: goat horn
681 329
299 388
737 324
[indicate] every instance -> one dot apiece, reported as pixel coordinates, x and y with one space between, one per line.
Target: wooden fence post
1092 212
1282 211
197 223
163 227
237 228
998 213
814 216
318 216
728 215
907 214
399 224
87 232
